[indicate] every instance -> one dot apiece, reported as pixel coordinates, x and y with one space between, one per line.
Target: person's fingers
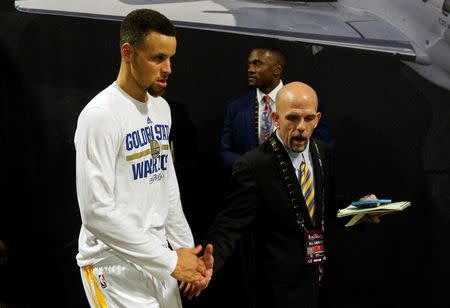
208 257
203 283
191 292
187 289
209 273
194 292
198 292
197 249
368 197
190 295
374 218
209 249
183 285
201 267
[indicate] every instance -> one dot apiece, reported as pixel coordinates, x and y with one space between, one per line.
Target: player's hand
189 267
191 289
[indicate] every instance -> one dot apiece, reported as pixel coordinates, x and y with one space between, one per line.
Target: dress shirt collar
297 157
272 94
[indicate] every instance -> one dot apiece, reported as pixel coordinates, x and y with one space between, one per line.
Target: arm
178 232
97 141
241 203
228 226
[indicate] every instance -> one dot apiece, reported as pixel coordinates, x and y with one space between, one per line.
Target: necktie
307 187
265 122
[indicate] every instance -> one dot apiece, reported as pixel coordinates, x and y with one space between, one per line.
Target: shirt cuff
173 260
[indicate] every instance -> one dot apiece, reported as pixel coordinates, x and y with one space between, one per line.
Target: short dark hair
276 51
138 23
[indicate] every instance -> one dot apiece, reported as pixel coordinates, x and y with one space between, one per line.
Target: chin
155 93
297 149
252 82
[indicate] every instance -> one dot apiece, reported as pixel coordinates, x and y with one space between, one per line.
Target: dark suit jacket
259 201
240 133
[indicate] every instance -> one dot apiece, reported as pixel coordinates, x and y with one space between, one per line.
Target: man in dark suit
284 192
266 196
242 129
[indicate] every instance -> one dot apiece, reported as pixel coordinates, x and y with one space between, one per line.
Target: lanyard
291 184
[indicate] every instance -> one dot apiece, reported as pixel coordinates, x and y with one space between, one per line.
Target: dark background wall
390 127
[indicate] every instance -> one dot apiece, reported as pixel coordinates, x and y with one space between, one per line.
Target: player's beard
155 92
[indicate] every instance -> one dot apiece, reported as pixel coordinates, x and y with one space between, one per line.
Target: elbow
93 216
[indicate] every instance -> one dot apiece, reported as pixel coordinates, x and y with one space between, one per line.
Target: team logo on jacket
102 280
155 148
145 149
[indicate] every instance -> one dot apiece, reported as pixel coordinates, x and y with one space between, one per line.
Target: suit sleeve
227 154
241 203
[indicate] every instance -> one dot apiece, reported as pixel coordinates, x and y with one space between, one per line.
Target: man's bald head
296 92
296 115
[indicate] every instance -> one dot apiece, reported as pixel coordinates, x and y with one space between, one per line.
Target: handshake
194 272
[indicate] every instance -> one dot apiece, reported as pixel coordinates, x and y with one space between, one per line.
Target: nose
301 125
251 69
166 67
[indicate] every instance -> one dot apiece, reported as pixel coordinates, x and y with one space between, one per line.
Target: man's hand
368 197
191 289
374 218
189 267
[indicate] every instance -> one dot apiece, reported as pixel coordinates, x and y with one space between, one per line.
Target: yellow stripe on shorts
98 298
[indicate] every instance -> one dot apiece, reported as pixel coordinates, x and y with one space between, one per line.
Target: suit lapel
252 119
293 180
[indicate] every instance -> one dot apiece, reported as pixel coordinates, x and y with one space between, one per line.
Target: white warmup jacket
126 183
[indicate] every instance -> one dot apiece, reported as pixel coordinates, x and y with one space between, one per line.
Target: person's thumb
197 249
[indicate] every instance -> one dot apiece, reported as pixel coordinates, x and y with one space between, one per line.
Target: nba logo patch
102 279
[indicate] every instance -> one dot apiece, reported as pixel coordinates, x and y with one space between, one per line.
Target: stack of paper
358 212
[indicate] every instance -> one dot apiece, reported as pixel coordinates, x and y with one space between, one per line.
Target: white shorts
113 282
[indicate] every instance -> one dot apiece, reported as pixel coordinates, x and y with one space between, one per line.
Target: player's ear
126 50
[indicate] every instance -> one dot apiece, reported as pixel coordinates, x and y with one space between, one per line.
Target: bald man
267 197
